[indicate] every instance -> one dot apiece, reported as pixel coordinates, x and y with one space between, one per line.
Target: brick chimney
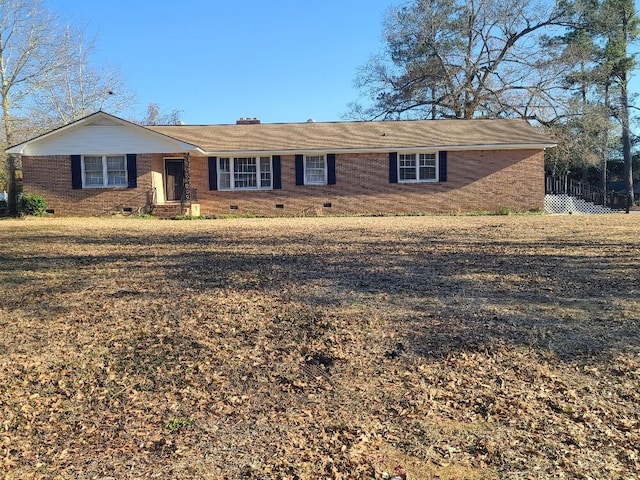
248 121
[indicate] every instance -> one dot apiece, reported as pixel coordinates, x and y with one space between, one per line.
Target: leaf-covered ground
330 348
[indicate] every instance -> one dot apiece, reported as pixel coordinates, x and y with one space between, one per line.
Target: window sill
418 181
245 189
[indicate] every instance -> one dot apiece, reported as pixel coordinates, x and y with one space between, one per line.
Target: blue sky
216 61
279 60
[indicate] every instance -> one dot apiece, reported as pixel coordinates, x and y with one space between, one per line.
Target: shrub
32 204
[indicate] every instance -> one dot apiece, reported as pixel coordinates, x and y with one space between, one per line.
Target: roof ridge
343 122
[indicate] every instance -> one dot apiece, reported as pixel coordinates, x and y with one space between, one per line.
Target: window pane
93 176
427 166
407 164
116 178
245 173
225 173
427 159
265 172
427 173
225 180
115 163
315 162
407 173
93 179
93 164
314 172
407 160
116 172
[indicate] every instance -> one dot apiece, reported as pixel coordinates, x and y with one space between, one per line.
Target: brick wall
477 181
51 177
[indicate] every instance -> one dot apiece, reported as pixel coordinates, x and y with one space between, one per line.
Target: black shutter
331 169
277 172
299 170
76 172
393 167
442 166
132 170
213 173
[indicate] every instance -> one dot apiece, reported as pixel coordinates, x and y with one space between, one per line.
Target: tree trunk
605 147
626 138
12 187
12 192
603 170
433 104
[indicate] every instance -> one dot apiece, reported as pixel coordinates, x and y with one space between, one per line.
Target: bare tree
583 134
153 113
460 59
44 75
76 89
29 54
156 117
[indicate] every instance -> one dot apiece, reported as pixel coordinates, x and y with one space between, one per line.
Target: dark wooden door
174 179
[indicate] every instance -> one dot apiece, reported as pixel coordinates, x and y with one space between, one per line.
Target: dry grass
457 347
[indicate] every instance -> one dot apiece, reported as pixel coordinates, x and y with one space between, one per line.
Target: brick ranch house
102 164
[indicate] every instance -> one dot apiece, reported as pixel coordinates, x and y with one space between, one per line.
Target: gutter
433 148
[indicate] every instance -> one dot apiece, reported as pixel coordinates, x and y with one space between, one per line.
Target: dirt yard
329 348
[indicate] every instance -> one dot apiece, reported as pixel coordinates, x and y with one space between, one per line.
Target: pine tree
618 26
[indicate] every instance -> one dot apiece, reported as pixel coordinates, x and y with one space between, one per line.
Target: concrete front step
173 210
167 210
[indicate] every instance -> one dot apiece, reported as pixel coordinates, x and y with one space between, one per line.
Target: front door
174 178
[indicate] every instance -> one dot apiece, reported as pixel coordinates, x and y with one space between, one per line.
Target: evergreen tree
584 126
619 25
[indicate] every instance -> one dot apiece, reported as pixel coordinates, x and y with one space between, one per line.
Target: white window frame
325 168
417 167
232 186
105 171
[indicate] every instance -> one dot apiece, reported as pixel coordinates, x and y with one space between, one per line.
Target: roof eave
17 150
311 151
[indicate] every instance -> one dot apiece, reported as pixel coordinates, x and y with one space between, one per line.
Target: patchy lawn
454 347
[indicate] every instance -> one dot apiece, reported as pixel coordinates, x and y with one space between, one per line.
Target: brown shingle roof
283 137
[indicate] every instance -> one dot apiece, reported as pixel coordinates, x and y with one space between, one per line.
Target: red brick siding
477 180
51 177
